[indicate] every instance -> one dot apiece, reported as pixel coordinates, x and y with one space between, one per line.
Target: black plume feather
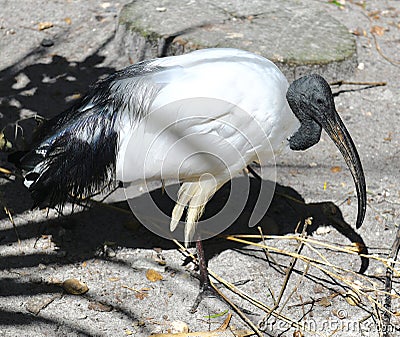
76 152
71 166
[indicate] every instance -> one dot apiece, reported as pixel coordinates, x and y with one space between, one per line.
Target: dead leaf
352 298
74 287
374 14
153 276
378 30
325 302
388 138
141 295
359 32
98 306
4 143
223 331
225 323
35 305
68 21
44 25
336 169
298 333
318 289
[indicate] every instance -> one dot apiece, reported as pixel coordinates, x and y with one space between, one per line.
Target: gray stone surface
295 35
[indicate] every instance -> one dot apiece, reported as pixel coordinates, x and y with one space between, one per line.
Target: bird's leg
205 283
254 173
193 196
206 290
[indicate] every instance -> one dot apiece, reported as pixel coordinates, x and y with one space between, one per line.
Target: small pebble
75 287
42 266
47 43
110 252
105 5
179 327
323 230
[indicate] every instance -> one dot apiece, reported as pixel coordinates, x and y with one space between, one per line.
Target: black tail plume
76 152
77 160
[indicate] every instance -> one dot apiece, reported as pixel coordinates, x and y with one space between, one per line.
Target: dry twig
8 212
369 84
388 284
288 273
228 301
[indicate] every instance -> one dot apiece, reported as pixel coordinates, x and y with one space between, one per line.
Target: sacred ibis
213 111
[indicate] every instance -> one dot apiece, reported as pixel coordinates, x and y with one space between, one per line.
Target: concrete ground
43 71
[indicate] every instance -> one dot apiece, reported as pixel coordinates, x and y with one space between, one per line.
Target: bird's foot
206 290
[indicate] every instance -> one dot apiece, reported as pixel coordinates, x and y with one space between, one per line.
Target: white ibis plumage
231 103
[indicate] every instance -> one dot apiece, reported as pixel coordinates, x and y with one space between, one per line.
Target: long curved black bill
337 131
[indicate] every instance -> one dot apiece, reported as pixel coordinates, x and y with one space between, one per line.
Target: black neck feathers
303 99
309 132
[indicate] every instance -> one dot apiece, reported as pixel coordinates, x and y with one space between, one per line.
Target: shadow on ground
82 236
44 89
